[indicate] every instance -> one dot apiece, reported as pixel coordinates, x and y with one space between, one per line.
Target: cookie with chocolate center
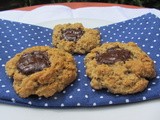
41 71
75 38
122 68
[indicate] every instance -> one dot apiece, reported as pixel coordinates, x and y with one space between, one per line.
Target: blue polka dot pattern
15 37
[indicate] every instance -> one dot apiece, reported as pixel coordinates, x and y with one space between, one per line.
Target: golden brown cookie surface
122 68
75 38
41 71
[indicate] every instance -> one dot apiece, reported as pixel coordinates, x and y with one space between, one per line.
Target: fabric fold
15 37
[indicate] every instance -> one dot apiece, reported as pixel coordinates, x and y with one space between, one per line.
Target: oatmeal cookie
122 68
41 71
75 38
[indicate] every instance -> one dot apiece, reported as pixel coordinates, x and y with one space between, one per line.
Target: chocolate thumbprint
72 34
113 55
35 61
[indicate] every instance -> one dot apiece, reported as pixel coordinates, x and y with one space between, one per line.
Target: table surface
146 110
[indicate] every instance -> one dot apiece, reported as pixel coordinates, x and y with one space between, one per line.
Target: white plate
143 110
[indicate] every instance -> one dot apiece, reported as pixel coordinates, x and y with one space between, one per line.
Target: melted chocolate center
72 34
113 55
32 62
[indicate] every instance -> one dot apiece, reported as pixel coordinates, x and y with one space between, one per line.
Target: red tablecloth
80 5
